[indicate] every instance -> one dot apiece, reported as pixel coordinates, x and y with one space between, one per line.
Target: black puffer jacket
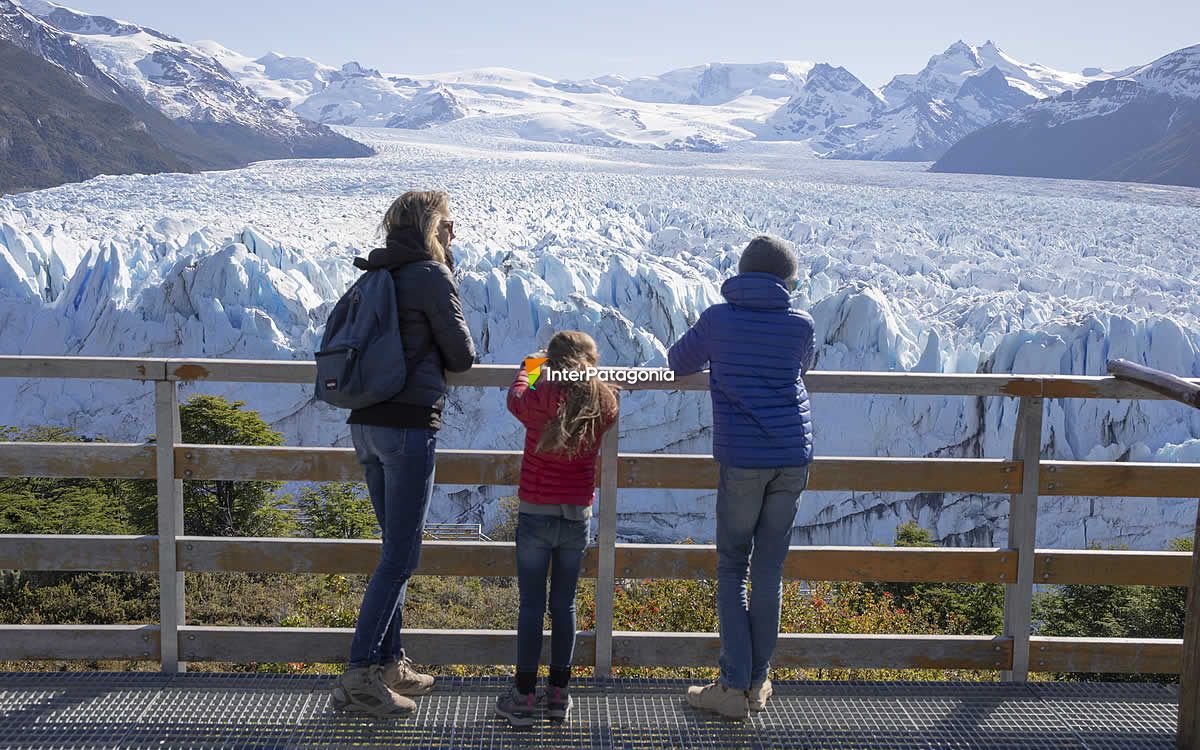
431 321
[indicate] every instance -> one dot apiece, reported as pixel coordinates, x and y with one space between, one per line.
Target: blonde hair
589 403
423 210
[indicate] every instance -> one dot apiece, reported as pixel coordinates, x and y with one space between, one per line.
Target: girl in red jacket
565 413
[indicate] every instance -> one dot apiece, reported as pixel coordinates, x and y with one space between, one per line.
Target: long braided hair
589 403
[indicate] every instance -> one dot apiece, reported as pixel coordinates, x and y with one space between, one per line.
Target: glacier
902 270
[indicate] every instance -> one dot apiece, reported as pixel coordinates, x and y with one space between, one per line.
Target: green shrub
337 510
958 608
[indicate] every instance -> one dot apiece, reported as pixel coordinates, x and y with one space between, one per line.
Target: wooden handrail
806 650
87 368
638 470
49 552
484 375
632 561
634 470
1164 383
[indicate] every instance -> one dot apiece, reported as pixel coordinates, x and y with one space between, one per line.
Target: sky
874 39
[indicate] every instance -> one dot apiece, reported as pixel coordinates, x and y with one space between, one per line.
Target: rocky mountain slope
1142 126
191 107
52 131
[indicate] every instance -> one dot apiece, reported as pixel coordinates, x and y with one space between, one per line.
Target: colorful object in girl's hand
533 369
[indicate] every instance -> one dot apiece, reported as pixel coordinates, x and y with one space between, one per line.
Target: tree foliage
1085 611
217 507
36 505
33 505
337 510
505 529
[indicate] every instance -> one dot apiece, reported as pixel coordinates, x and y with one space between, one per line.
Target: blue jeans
399 466
755 512
548 545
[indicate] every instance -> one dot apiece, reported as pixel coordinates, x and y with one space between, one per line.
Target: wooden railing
1022 475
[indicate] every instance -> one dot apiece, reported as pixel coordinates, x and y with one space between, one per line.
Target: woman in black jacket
395 442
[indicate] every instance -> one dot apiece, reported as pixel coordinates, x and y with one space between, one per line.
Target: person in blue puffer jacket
757 349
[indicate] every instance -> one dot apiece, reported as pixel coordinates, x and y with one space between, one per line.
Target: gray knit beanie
767 254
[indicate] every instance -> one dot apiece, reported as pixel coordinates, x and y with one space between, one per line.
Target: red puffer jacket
551 478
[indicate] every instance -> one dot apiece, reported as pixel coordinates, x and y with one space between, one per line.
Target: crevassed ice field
902 270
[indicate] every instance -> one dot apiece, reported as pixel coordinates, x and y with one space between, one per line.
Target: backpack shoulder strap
414 357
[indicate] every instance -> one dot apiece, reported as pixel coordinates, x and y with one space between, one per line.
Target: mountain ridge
914 117
1144 126
216 108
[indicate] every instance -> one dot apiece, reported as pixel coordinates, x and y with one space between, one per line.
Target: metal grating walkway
150 710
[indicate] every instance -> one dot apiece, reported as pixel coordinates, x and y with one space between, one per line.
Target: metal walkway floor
148 710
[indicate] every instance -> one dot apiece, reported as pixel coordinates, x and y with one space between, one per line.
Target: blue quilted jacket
757 350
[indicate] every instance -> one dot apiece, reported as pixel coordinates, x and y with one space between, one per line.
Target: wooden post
1022 534
170 522
1188 726
607 553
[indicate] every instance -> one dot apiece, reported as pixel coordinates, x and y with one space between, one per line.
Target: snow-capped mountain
1176 74
989 95
354 95
273 77
276 98
924 128
710 84
186 148
24 30
1142 126
176 78
902 271
944 75
920 130
430 106
831 97
180 81
915 117
956 93
500 101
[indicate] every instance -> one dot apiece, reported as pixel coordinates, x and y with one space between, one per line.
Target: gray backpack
361 360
